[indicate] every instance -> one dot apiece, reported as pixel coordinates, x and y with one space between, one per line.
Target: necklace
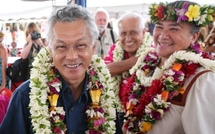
147 102
118 55
47 117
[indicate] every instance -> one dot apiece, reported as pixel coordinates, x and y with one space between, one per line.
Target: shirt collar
84 95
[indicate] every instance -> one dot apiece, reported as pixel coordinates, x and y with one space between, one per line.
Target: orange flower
145 126
177 66
164 95
181 90
129 107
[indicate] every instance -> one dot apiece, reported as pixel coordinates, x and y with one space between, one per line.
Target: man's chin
101 30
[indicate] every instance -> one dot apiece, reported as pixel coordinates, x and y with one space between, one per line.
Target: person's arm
210 49
4 101
18 113
117 68
27 48
4 65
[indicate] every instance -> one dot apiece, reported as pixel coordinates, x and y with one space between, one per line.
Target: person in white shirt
107 36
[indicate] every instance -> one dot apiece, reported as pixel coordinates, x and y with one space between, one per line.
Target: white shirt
198 114
105 43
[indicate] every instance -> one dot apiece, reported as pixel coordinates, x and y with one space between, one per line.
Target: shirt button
72 109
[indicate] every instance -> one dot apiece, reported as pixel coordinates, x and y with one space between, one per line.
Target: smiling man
60 95
124 54
131 34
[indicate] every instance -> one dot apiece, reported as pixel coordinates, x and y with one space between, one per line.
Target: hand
124 130
1 88
133 60
29 38
39 42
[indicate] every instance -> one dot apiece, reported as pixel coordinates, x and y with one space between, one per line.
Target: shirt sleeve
17 118
109 58
4 101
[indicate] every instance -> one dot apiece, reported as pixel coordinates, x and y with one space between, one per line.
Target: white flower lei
118 55
184 55
159 72
39 108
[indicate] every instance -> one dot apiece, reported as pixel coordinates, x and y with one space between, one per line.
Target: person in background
3 61
7 36
150 27
4 101
21 40
178 97
210 42
69 90
34 43
123 55
107 36
14 50
205 31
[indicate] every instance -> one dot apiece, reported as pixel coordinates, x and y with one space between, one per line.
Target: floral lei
118 55
146 98
47 117
182 11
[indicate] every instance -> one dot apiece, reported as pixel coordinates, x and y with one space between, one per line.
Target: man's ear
95 43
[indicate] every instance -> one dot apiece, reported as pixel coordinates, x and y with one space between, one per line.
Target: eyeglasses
77 48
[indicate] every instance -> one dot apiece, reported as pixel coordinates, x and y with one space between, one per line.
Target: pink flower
99 122
181 12
57 130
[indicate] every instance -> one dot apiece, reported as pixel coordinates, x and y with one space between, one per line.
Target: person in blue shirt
70 89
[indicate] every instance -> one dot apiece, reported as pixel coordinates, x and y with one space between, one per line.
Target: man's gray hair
99 10
71 13
132 14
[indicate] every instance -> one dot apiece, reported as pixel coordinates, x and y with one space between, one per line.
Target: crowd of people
131 82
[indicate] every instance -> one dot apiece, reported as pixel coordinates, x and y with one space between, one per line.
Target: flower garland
118 55
45 86
143 69
182 11
152 95
101 118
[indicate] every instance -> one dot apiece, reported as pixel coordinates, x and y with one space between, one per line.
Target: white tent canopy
17 9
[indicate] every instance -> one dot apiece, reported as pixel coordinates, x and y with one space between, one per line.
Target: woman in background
4 101
34 43
3 63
